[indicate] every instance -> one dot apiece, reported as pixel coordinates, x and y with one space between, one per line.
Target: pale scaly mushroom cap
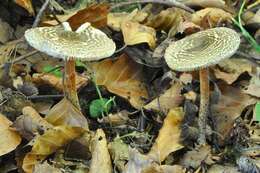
202 49
86 44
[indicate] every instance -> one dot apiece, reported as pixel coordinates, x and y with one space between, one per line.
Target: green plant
238 23
101 106
53 70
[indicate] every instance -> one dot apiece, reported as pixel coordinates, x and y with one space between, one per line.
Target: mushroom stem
70 89
204 104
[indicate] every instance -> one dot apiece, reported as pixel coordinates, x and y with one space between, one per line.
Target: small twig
22 57
39 15
45 96
165 2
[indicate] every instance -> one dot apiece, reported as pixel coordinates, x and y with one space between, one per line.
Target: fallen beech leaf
188 27
10 139
210 17
56 82
95 14
168 140
254 86
27 4
135 33
122 77
48 143
65 113
100 161
230 106
31 123
169 99
166 19
114 20
231 69
195 157
137 162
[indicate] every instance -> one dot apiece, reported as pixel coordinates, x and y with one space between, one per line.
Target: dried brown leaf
195 157
100 161
65 113
10 139
56 82
231 69
210 17
169 99
168 140
230 106
27 4
135 33
48 143
122 77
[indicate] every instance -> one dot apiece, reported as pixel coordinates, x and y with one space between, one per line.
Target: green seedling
53 70
238 23
101 106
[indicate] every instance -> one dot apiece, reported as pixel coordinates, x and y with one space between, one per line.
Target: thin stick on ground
39 15
164 2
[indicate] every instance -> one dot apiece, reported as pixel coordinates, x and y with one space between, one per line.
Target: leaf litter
146 119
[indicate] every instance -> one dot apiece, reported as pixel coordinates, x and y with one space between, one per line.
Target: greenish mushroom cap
87 44
202 49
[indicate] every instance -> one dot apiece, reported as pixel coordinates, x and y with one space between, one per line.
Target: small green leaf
53 70
99 106
257 111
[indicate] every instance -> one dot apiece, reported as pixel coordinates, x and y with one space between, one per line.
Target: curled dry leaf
194 158
210 17
135 33
116 119
27 4
48 143
169 99
31 123
56 82
65 113
168 140
166 19
114 20
231 69
95 14
122 77
230 106
10 139
100 161
137 162
253 88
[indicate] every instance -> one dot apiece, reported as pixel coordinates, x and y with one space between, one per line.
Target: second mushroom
197 52
86 43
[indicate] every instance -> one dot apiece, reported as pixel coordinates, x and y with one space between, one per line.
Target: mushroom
197 52
86 43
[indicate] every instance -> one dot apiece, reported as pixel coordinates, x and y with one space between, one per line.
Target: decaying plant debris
138 110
